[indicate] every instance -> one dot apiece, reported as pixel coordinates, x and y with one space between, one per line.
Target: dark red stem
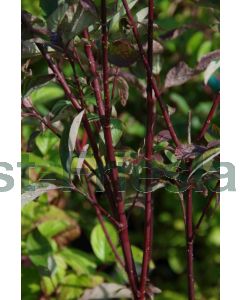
189 239
149 73
205 210
148 229
209 118
105 122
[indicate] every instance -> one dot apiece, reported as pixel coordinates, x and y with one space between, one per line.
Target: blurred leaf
137 255
35 82
79 261
142 14
178 75
122 53
39 249
48 6
205 60
116 130
107 291
46 141
37 190
211 69
56 17
123 90
181 102
204 158
70 288
114 25
29 49
30 283
82 19
100 244
50 228
157 66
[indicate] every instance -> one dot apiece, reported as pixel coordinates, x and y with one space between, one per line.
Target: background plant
102 85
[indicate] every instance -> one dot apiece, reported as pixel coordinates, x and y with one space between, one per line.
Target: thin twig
209 118
205 210
148 69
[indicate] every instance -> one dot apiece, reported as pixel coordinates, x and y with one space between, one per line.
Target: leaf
137 255
116 130
81 159
157 66
142 14
211 69
68 142
56 17
123 90
170 156
82 19
107 291
114 25
100 244
35 82
29 49
50 228
207 59
73 133
203 159
79 261
70 288
181 102
32 160
38 249
37 190
48 6
179 75
122 53
46 141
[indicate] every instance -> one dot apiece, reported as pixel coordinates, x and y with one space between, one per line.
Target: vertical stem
123 233
148 230
189 240
209 118
149 73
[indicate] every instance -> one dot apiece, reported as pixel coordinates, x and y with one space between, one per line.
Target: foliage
68 215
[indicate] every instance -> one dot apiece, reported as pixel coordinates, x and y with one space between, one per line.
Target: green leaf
79 261
170 156
56 17
39 249
68 142
46 141
116 130
114 25
35 82
48 6
50 228
70 288
181 102
32 160
137 255
99 242
82 19
30 283
202 160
